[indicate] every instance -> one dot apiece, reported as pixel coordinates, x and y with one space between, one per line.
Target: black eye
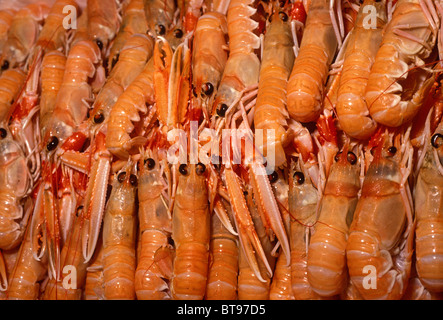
337 156
352 158
178 33
121 177
183 169
99 44
283 16
151 163
5 65
208 88
299 177
79 210
3 133
52 144
437 140
99 118
222 111
392 150
171 241
133 180
200 168
273 177
245 193
160 29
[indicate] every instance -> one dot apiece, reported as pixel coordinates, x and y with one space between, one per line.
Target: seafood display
221 150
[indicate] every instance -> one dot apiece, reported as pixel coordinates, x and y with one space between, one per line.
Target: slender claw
223 216
162 68
3 275
52 232
96 197
266 200
178 92
247 246
38 234
249 239
67 205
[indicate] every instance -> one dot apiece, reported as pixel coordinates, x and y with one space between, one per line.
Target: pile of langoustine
346 95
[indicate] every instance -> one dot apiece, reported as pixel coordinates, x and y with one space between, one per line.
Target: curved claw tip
224 218
97 189
88 246
37 233
54 265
